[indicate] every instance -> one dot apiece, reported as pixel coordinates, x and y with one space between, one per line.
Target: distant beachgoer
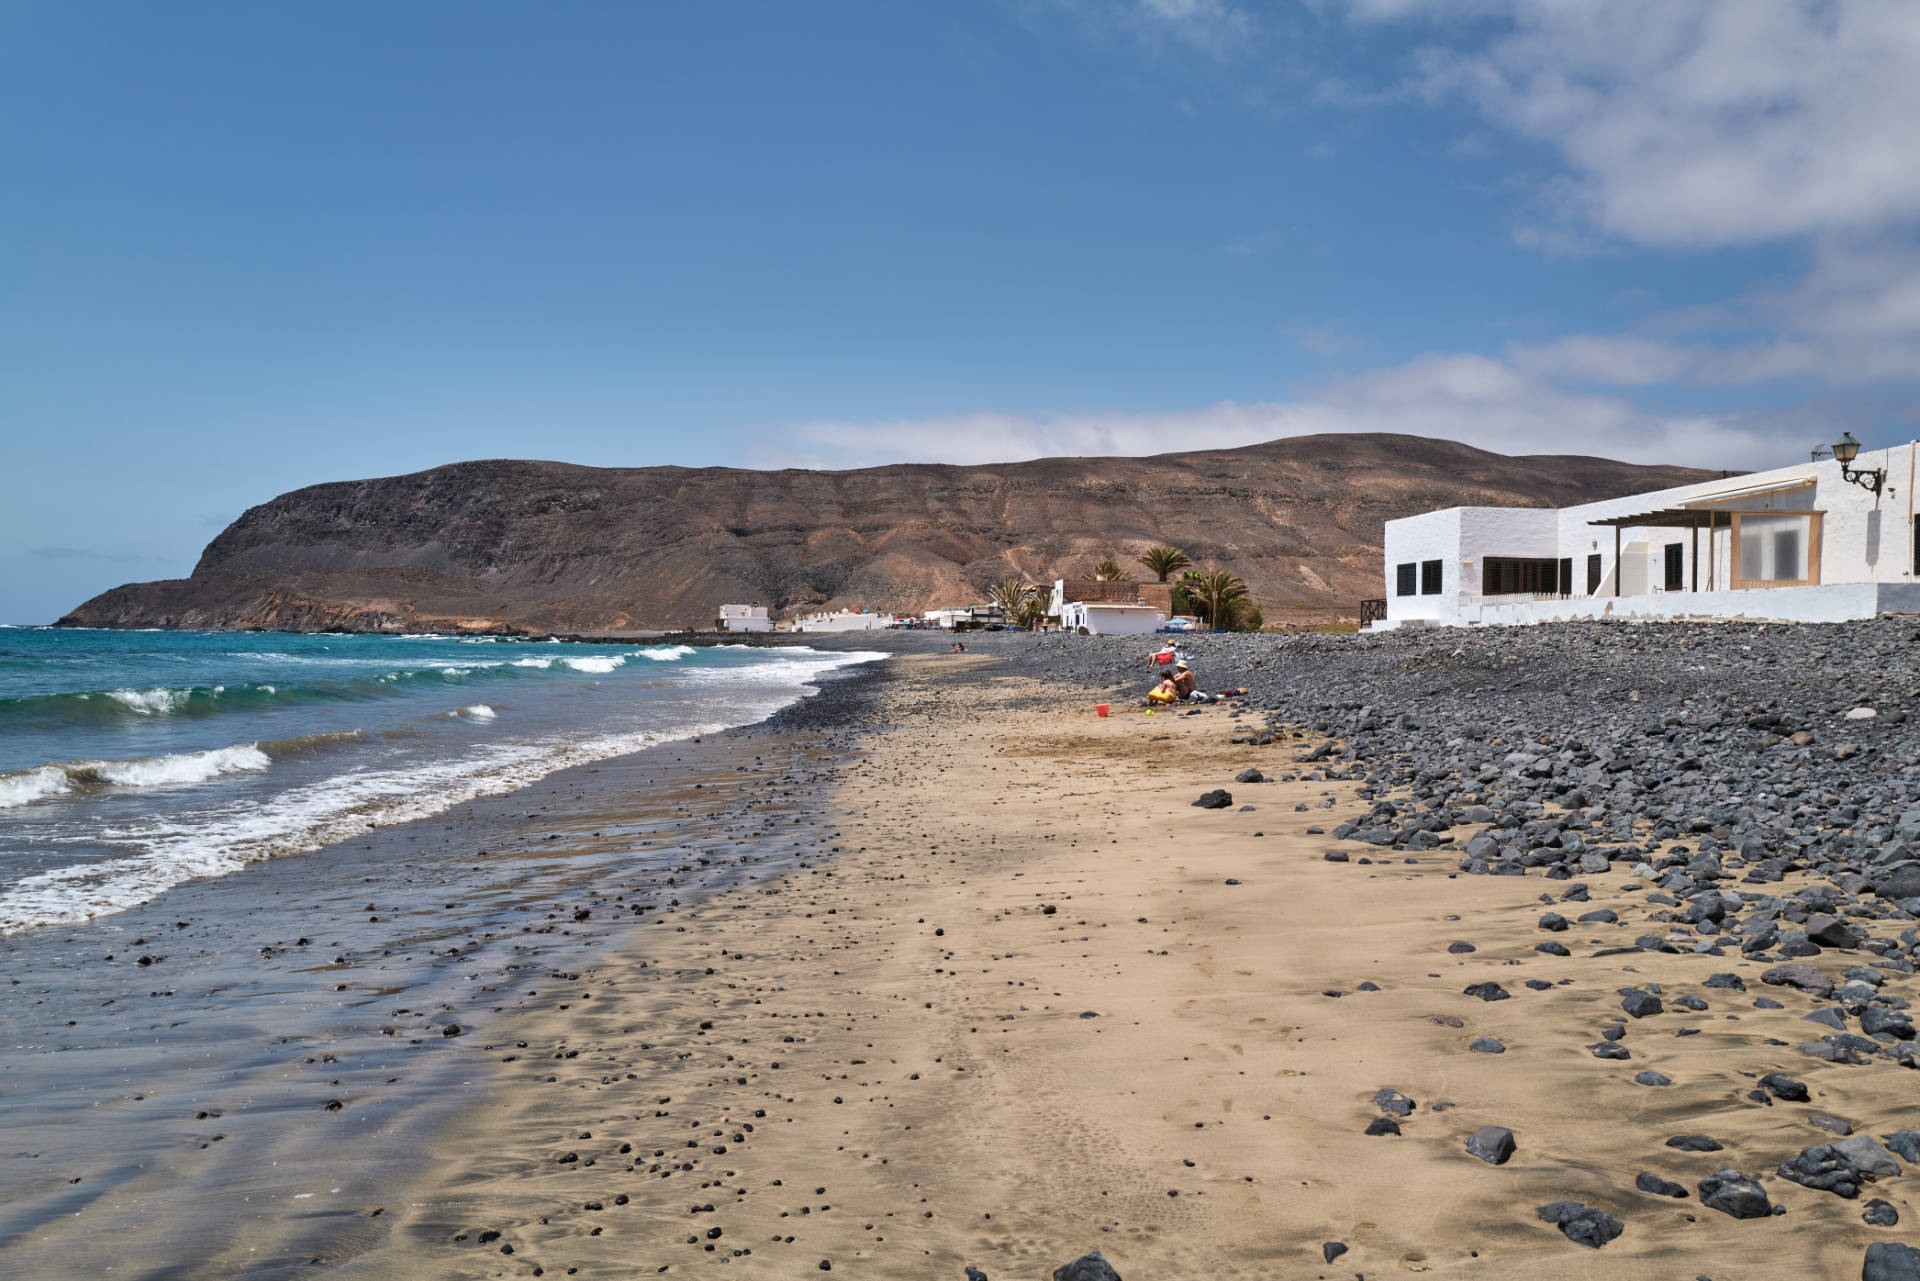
1165 654
958 648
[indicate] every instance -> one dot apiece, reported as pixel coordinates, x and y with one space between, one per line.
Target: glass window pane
1773 548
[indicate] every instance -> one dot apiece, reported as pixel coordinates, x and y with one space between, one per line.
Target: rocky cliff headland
505 546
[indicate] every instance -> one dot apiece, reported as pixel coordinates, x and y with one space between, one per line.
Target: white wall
1865 539
1833 603
843 623
1110 620
1429 536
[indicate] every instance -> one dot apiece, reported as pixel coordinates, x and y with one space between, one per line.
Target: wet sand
252 1099
1015 999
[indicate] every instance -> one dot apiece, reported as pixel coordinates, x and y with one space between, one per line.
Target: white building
1106 608
743 618
1103 619
964 617
844 620
1801 543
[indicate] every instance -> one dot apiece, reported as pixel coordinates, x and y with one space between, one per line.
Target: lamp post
1845 450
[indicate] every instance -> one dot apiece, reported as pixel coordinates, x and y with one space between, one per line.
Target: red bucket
1100 709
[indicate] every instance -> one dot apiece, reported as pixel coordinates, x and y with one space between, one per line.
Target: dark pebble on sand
1890 1261
1492 1144
1582 1224
1782 1086
1694 1143
1658 1186
1734 1193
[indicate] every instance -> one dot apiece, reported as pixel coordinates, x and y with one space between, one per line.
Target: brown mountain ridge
544 546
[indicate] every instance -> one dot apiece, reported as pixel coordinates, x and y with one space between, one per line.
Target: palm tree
1107 571
1221 595
1186 594
1009 594
1033 610
1163 560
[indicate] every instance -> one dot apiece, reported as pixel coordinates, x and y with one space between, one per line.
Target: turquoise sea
131 762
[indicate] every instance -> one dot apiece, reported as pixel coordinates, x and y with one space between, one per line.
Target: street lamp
1845 450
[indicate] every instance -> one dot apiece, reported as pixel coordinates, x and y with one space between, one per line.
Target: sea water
131 762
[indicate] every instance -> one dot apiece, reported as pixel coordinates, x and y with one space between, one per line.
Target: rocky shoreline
1759 787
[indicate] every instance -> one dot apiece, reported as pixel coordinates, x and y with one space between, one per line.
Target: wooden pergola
1688 518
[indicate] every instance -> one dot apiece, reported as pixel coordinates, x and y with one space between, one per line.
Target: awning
1755 491
1697 514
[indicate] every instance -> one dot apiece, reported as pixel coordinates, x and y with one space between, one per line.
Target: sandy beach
1037 1004
1011 997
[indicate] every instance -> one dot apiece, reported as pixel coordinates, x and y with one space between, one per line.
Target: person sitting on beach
958 648
1164 693
1165 654
1185 683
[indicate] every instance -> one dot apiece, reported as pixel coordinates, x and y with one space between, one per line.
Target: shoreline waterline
201 766
367 975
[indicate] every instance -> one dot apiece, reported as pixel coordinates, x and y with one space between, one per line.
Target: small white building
1105 608
961 618
1801 543
845 620
1101 618
743 618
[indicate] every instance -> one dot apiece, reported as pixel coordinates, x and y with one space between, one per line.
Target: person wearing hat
1184 681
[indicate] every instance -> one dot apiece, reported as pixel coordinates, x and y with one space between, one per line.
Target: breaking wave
23 787
103 706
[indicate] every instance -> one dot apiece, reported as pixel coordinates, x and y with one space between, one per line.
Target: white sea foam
668 653
166 771
599 664
226 836
149 702
26 786
475 712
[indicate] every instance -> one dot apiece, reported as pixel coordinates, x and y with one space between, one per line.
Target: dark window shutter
1404 575
1429 578
1676 566
1593 573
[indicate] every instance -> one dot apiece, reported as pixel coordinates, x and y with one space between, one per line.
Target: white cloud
1216 28
1698 125
1852 320
1211 25
1709 122
1481 401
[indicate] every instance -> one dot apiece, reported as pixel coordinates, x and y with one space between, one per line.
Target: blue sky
245 247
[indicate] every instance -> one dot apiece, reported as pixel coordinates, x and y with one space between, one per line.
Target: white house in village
844 620
1124 614
1819 541
743 618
